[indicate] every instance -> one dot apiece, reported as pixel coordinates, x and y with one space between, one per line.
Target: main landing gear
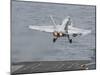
70 40
54 40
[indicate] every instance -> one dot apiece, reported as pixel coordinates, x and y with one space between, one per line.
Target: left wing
43 28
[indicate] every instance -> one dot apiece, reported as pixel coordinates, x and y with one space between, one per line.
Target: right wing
74 30
43 28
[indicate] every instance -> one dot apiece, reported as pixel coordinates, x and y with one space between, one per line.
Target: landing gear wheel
70 40
54 40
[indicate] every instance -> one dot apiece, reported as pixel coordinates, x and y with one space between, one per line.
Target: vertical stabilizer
66 22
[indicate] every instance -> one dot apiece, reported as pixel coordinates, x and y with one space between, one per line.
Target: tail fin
66 22
53 21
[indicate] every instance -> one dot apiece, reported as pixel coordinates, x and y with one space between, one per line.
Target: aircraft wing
74 30
43 28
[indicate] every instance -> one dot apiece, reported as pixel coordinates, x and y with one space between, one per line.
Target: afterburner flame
57 34
60 34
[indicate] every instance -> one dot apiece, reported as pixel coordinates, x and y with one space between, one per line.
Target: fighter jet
65 29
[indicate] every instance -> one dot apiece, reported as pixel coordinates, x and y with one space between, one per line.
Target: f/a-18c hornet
65 29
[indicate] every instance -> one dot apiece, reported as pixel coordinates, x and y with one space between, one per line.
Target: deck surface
51 66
